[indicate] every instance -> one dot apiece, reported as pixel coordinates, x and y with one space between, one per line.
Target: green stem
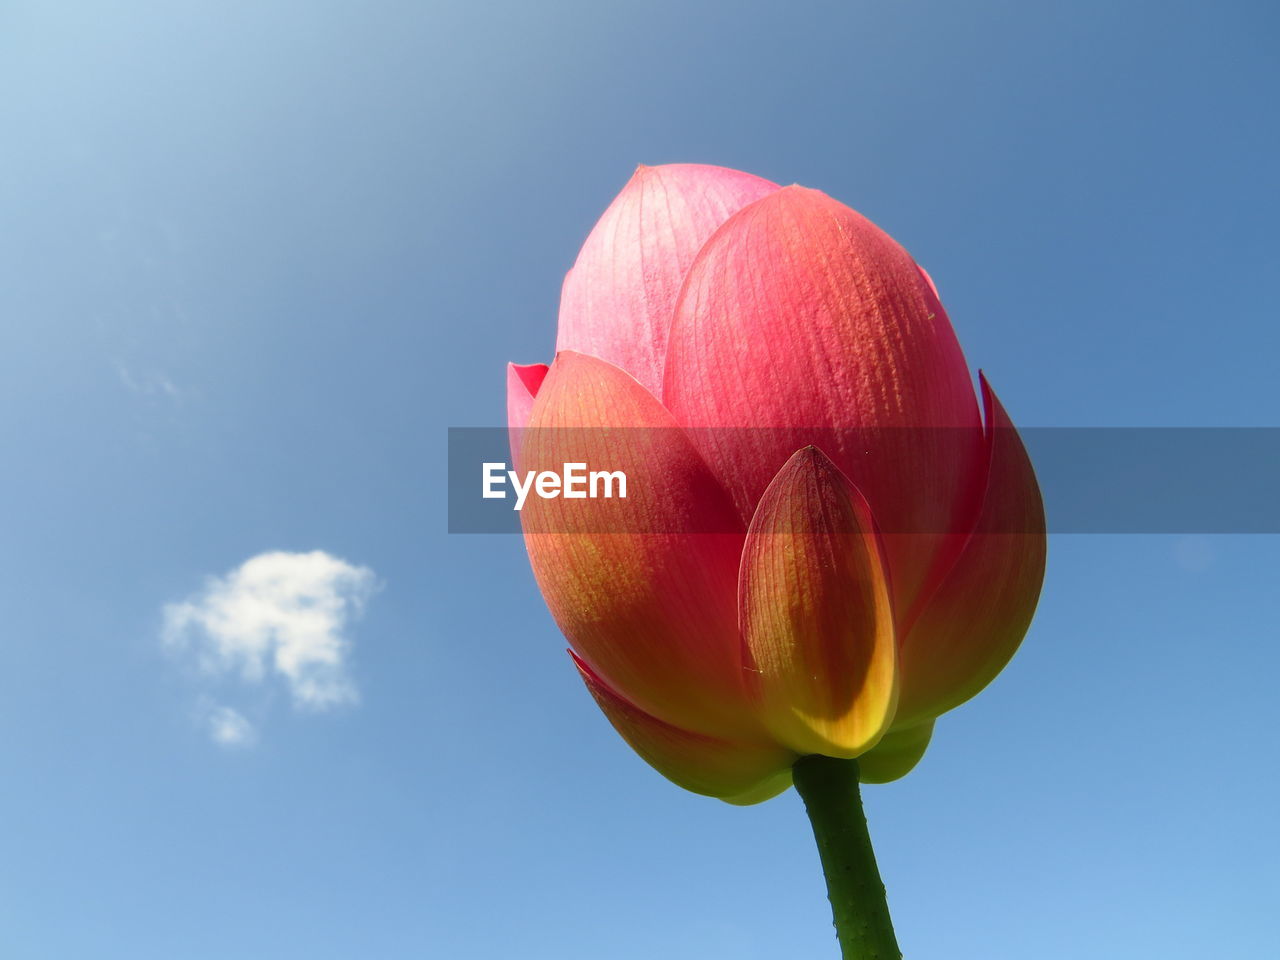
829 788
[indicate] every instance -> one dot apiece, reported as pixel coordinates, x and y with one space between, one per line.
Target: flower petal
896 754
523 381
815 613
765 790
617 300
649 605
974 621
738 771
801 316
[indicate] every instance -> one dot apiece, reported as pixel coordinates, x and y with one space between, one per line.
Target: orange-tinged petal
896 754
649 605
815 612
972 624
739 771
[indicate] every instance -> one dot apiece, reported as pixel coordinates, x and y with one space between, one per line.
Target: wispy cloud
229 727
278 617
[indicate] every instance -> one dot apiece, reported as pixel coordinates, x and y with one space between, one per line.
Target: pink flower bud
824 545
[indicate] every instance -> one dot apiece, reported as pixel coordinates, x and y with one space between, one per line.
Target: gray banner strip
1093 479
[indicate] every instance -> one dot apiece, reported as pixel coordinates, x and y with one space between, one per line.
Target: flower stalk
829 788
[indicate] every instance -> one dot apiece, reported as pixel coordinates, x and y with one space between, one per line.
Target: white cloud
278 616
229 728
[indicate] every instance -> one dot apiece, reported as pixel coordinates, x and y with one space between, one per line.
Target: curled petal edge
523 383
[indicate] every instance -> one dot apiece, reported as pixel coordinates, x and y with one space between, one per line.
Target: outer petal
815 612
973 623
765 790
739 771
523 381
802 316
895 755
618 298
651 607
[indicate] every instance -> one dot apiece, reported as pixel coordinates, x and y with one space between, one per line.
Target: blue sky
256 258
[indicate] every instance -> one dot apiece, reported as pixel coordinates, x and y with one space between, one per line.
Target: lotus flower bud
826 542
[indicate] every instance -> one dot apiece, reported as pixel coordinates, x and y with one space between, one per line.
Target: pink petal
739 771
815 613
972 624
617 300
803 317
523 382
650 606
